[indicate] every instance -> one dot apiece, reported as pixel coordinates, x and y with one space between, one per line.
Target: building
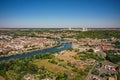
111 78
70 28
84 29
29 77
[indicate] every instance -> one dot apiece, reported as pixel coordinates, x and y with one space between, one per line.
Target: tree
90 50
61 76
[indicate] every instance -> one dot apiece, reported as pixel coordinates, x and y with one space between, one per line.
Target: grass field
55 68
51 67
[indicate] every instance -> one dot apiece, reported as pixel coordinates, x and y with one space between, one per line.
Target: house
111 78
29 77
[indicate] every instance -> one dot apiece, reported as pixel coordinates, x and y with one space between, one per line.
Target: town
89 58
59 39
12 46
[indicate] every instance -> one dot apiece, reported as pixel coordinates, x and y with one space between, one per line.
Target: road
88 76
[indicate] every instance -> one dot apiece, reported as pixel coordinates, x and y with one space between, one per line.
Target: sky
59 13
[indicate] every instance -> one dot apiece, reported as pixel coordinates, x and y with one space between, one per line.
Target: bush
95 72
102 75
90 50
52 61
61 76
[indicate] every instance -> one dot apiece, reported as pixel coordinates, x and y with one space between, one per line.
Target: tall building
84 29
69 28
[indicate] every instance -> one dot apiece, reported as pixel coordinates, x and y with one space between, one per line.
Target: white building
70 28
84 29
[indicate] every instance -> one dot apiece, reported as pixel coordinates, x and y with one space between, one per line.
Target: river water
63 46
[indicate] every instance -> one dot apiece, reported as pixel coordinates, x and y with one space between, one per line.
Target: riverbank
27 52
23 44
62 46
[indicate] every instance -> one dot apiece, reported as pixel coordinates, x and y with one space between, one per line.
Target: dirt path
87 77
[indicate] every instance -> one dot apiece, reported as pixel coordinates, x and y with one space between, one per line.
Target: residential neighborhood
53 56
12 46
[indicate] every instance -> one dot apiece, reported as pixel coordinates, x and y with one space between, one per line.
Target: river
64 45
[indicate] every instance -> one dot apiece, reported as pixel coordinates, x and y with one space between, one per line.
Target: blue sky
59 13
